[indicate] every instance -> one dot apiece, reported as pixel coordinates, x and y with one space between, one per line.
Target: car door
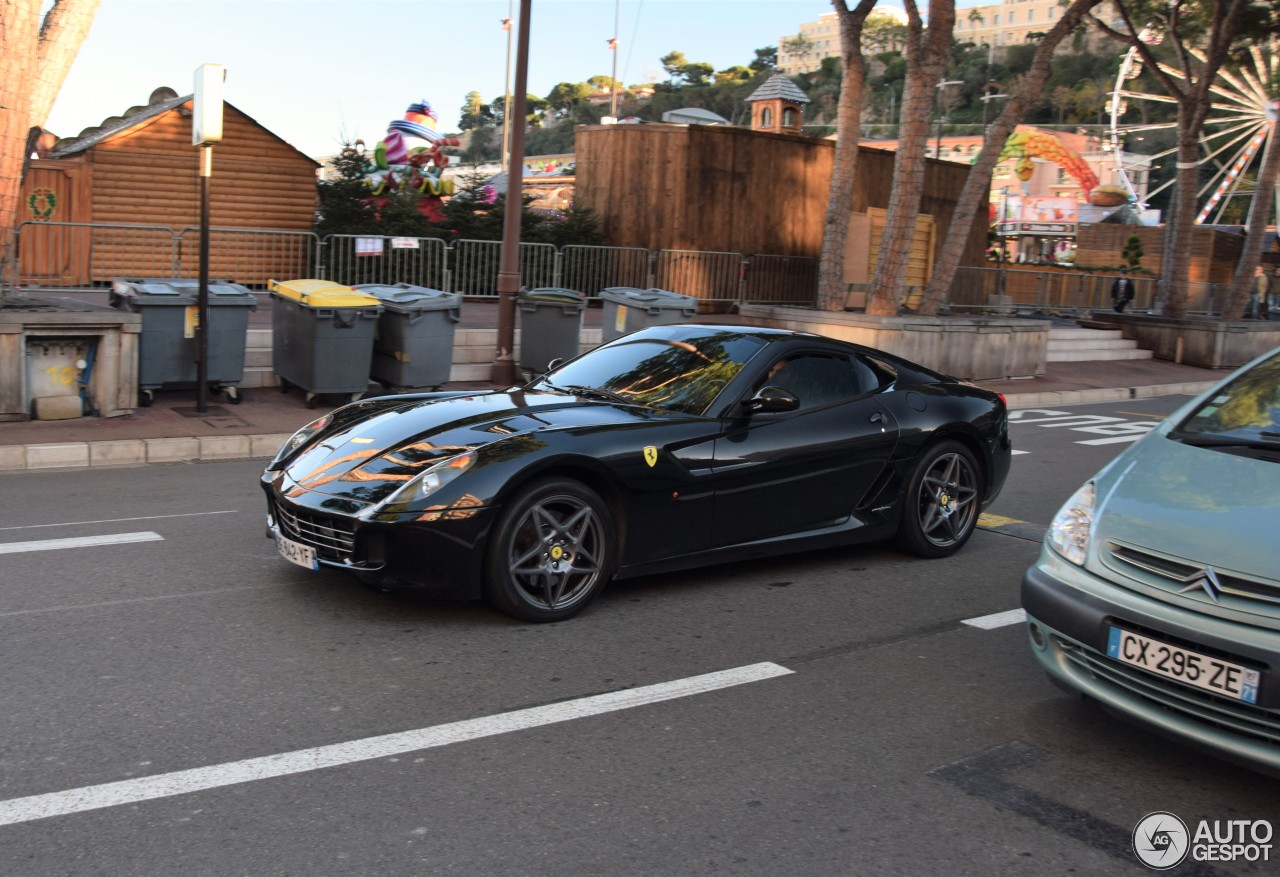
793 471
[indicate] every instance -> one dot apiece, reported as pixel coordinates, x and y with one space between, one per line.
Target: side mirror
771 400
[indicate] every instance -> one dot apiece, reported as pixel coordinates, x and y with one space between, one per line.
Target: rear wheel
552 552
942 502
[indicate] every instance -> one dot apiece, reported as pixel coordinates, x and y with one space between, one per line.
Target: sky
318 72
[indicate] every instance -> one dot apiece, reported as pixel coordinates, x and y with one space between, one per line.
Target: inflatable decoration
410 157
1024 145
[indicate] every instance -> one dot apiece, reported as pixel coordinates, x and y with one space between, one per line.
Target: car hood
367 459
1204 505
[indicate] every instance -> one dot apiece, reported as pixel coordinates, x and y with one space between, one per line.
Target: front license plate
296 552
1191 668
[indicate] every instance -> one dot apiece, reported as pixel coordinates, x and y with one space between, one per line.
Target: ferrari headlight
1070 530
442 473
302 436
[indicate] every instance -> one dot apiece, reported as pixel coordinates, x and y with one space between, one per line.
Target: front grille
1231 715
1172 574
332 537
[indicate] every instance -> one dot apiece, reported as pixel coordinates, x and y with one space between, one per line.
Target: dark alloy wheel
942 502
551 553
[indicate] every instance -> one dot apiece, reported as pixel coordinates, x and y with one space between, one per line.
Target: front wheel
941 506
552 552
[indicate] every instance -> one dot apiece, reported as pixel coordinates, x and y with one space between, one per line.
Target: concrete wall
974 348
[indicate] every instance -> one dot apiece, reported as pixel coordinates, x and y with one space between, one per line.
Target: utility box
413 346
550 325
628 309
322 337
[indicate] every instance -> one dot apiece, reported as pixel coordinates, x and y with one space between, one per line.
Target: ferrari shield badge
651 455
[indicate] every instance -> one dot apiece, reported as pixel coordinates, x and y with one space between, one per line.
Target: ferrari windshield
673 370
1244 412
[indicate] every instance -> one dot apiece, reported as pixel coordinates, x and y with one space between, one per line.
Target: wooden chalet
705 187
140 168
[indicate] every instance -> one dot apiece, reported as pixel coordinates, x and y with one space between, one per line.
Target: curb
141 452
138 452
1105 394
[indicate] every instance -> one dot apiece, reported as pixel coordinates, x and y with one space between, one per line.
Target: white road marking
119 520
79 542
1015 453
999 619
17 810
213 592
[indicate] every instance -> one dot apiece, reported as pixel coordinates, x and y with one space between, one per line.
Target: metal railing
352 259
68 256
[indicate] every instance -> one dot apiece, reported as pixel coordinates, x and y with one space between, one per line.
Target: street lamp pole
613 47
504 364
506 99
937 105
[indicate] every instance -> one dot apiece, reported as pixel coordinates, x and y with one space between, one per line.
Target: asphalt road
186 703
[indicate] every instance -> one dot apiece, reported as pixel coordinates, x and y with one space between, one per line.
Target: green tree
562 99
766 60
475 113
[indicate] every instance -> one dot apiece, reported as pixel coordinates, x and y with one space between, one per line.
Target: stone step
1070 333
1094 355
1116 343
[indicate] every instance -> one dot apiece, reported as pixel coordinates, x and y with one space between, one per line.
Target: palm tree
831 285
1213 26
926 54
977 185
36 59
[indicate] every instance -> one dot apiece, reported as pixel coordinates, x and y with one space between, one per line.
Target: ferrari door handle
876 418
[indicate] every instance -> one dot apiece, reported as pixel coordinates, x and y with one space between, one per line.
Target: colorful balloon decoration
410 157
1023 145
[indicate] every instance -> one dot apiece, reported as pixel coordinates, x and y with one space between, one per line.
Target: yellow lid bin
321 294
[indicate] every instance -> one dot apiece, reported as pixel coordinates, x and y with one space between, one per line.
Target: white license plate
1184 665
296 552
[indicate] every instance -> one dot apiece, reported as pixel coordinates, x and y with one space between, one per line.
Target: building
139 168
804 52
1042 206
1008 23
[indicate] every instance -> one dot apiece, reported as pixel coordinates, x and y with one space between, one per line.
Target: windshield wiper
593 393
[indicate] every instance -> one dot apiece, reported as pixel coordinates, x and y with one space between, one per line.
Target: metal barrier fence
474 267
248 256
352 259
590 270
780 280
978 288
715 278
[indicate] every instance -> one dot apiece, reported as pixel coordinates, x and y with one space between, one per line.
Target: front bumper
443 553
1069 614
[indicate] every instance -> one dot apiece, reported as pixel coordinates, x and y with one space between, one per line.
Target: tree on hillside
926 53
835 231
766 60
35 57
977 185
475 113
1200 35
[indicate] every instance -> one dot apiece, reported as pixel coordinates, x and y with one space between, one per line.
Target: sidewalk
172 430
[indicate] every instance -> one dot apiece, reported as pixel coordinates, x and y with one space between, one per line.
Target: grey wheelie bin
550 326
627 309
322 337
413 346
167 346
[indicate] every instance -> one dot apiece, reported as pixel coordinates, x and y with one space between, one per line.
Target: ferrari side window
820 380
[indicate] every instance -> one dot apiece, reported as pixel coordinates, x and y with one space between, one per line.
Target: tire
941 507
551 552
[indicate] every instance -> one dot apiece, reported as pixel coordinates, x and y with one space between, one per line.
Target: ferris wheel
1242 117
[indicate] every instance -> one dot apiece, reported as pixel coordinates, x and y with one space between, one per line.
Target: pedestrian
1273 292
1122 291
1258 294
